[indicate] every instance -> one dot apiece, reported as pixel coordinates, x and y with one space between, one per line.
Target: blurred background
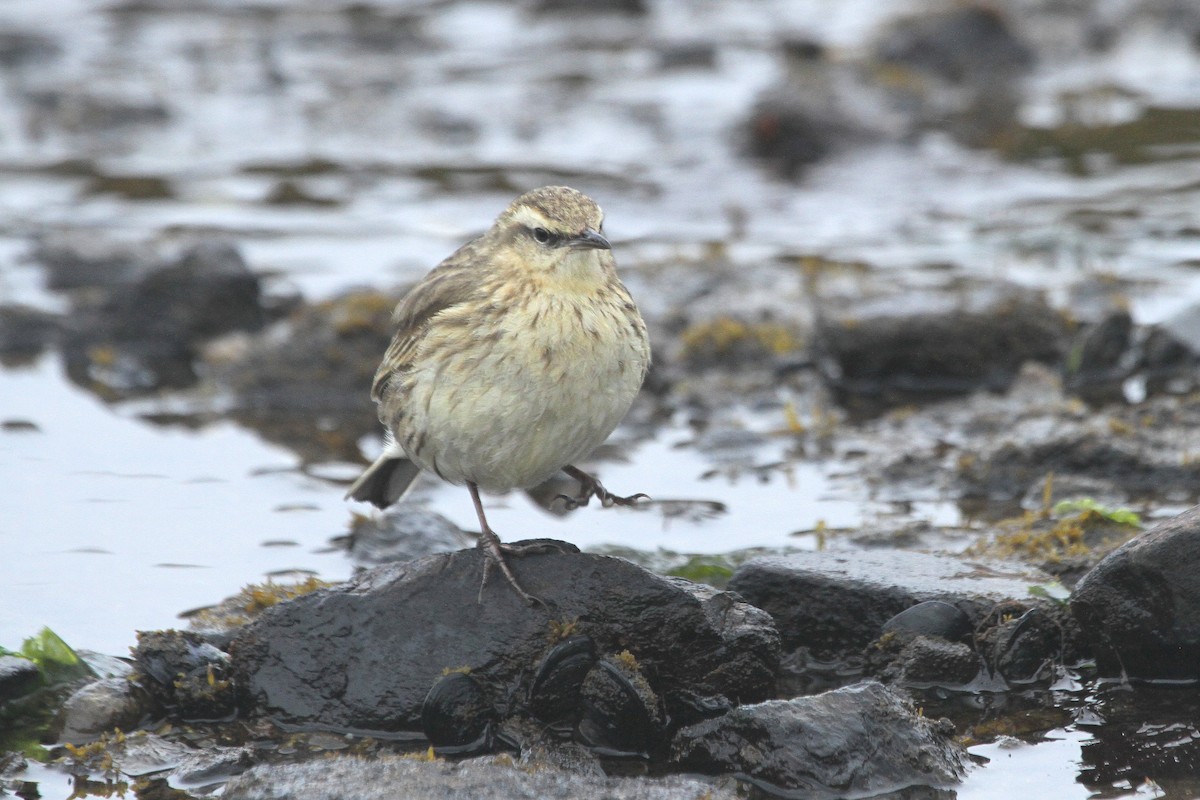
208 209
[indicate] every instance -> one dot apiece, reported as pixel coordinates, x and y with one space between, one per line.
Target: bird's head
556 231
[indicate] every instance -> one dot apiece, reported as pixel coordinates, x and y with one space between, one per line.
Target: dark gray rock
24 333
18 677
921 346
1140 606
25 48
963 44
101 707
493 777
927 661
402 533
837 602
364 655
186 674
145 335
859 741
1026 647
302 383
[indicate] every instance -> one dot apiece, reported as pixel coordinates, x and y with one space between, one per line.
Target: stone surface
1140 606
18 676
102 706
364 655
924 346
478 779
859 741
836 602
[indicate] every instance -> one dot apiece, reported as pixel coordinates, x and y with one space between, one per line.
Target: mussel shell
457 716
931 618
554 694
621 714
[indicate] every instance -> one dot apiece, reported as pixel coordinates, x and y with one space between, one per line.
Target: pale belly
507 417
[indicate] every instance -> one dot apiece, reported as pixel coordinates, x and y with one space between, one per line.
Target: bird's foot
497 551
590 487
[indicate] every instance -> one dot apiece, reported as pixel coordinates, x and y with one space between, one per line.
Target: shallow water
426 118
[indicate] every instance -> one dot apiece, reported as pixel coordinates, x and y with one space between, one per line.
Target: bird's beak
589 240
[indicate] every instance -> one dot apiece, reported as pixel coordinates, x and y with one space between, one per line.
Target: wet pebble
622 715
861 740
922 347
103 706
1139 605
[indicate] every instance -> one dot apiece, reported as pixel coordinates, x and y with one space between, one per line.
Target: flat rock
478 779
363 655
926 346
858 741
1140 606
836 602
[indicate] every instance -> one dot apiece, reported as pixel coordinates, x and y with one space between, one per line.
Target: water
418 122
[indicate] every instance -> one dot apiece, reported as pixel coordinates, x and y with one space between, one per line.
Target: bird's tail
385 481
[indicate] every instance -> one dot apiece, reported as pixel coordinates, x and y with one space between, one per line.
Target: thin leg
495 550
590 486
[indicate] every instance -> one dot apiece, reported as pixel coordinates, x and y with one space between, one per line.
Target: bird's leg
495 550
590 486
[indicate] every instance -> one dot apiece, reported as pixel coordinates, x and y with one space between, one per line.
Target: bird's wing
452 282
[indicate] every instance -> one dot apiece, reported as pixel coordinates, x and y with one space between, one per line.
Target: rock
102 707
485 778
1098 364
837 602
858 741
18 677
305 383
963 44
1153 464
1140 606
24 333
1027 647
343 658
137 754
928 661
919 347
145 335
23 48
185 674
74 262
401 533
213 764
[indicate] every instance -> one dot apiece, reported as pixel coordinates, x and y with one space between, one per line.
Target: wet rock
1139 606
138 754
633 7
804 118
837 602
402 533
23 48
558 682
924 661
213 764
1026 647
18 677
968 43
480 779
1148 465
1097 364
185 674
81 112
922 347
931 618
145 335
24 333
342 658
303 382
102 707
857 741
74 262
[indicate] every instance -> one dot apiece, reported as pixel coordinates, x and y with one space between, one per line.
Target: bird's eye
542 236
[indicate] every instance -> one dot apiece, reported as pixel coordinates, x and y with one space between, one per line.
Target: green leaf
54 657
1121 516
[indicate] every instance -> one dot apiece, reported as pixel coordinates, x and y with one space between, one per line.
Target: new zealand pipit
512 359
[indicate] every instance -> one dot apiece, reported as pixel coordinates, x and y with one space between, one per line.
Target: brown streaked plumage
512 359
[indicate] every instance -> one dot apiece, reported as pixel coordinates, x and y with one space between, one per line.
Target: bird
513 358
